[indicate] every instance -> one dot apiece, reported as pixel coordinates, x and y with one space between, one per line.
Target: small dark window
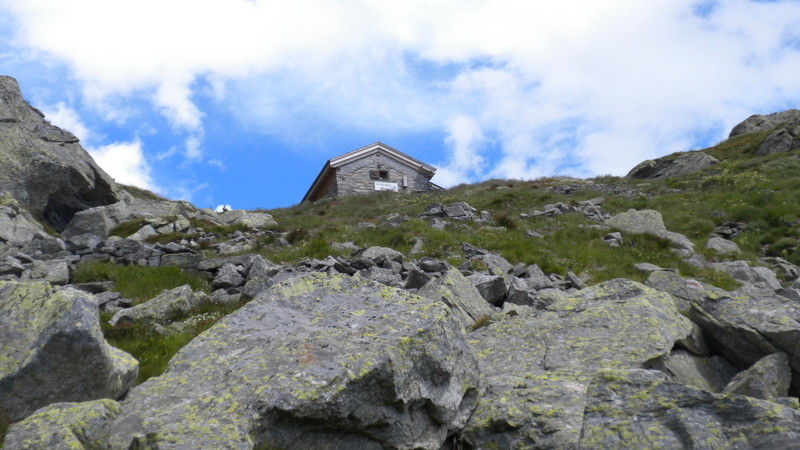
384 174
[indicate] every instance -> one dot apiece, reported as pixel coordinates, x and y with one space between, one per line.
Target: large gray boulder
319 361
17 226
537 366
769 378
641 409
675 165
747 328
767 122
647 221
162 308
761 277
246 219
53 350
65 426
779 141
44 167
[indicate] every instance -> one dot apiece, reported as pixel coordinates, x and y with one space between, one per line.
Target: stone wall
354 178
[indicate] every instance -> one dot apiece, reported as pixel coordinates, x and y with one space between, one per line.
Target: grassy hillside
763 192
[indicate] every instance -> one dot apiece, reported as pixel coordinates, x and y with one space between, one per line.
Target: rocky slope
660 310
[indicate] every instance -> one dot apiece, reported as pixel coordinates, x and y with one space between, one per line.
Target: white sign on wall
384 186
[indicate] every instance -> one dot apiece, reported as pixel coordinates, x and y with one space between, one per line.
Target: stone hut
376 167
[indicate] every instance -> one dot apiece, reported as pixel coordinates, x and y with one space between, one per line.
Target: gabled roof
329 169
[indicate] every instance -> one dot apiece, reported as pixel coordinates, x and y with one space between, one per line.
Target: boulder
65 425
491 287
260 276
43 167
48 339
454 290
495 264
182 260
144 233
761 277
229 275
769 378
247 219
746 328
53 271
17 226
377 253
767 122
416 279
427 264
779 141
320 361
641 409
537 366
722 246
381 275
675 165
163 308
647 221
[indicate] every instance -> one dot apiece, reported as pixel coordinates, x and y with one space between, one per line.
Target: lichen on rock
317 361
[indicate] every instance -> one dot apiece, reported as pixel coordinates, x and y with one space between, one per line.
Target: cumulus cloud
68 119
576 86
125 162
465 140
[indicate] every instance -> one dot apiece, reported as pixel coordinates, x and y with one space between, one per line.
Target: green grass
139 283
762 191
5 423
154 350
143 194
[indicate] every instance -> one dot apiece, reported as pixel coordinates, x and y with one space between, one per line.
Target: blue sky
242 101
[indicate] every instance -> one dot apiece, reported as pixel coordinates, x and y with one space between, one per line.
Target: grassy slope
764 192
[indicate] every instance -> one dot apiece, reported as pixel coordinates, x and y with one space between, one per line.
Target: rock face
320 361
42 166
65 425
537 367
746 328
675 165
48 340
640 409
758 122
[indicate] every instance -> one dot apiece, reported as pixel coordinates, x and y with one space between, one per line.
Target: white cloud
217 163
575 86
464 141
125 162
67 118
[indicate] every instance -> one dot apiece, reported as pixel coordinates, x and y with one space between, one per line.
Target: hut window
379 174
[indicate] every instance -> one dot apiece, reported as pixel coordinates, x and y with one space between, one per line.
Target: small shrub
480 322
505 221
